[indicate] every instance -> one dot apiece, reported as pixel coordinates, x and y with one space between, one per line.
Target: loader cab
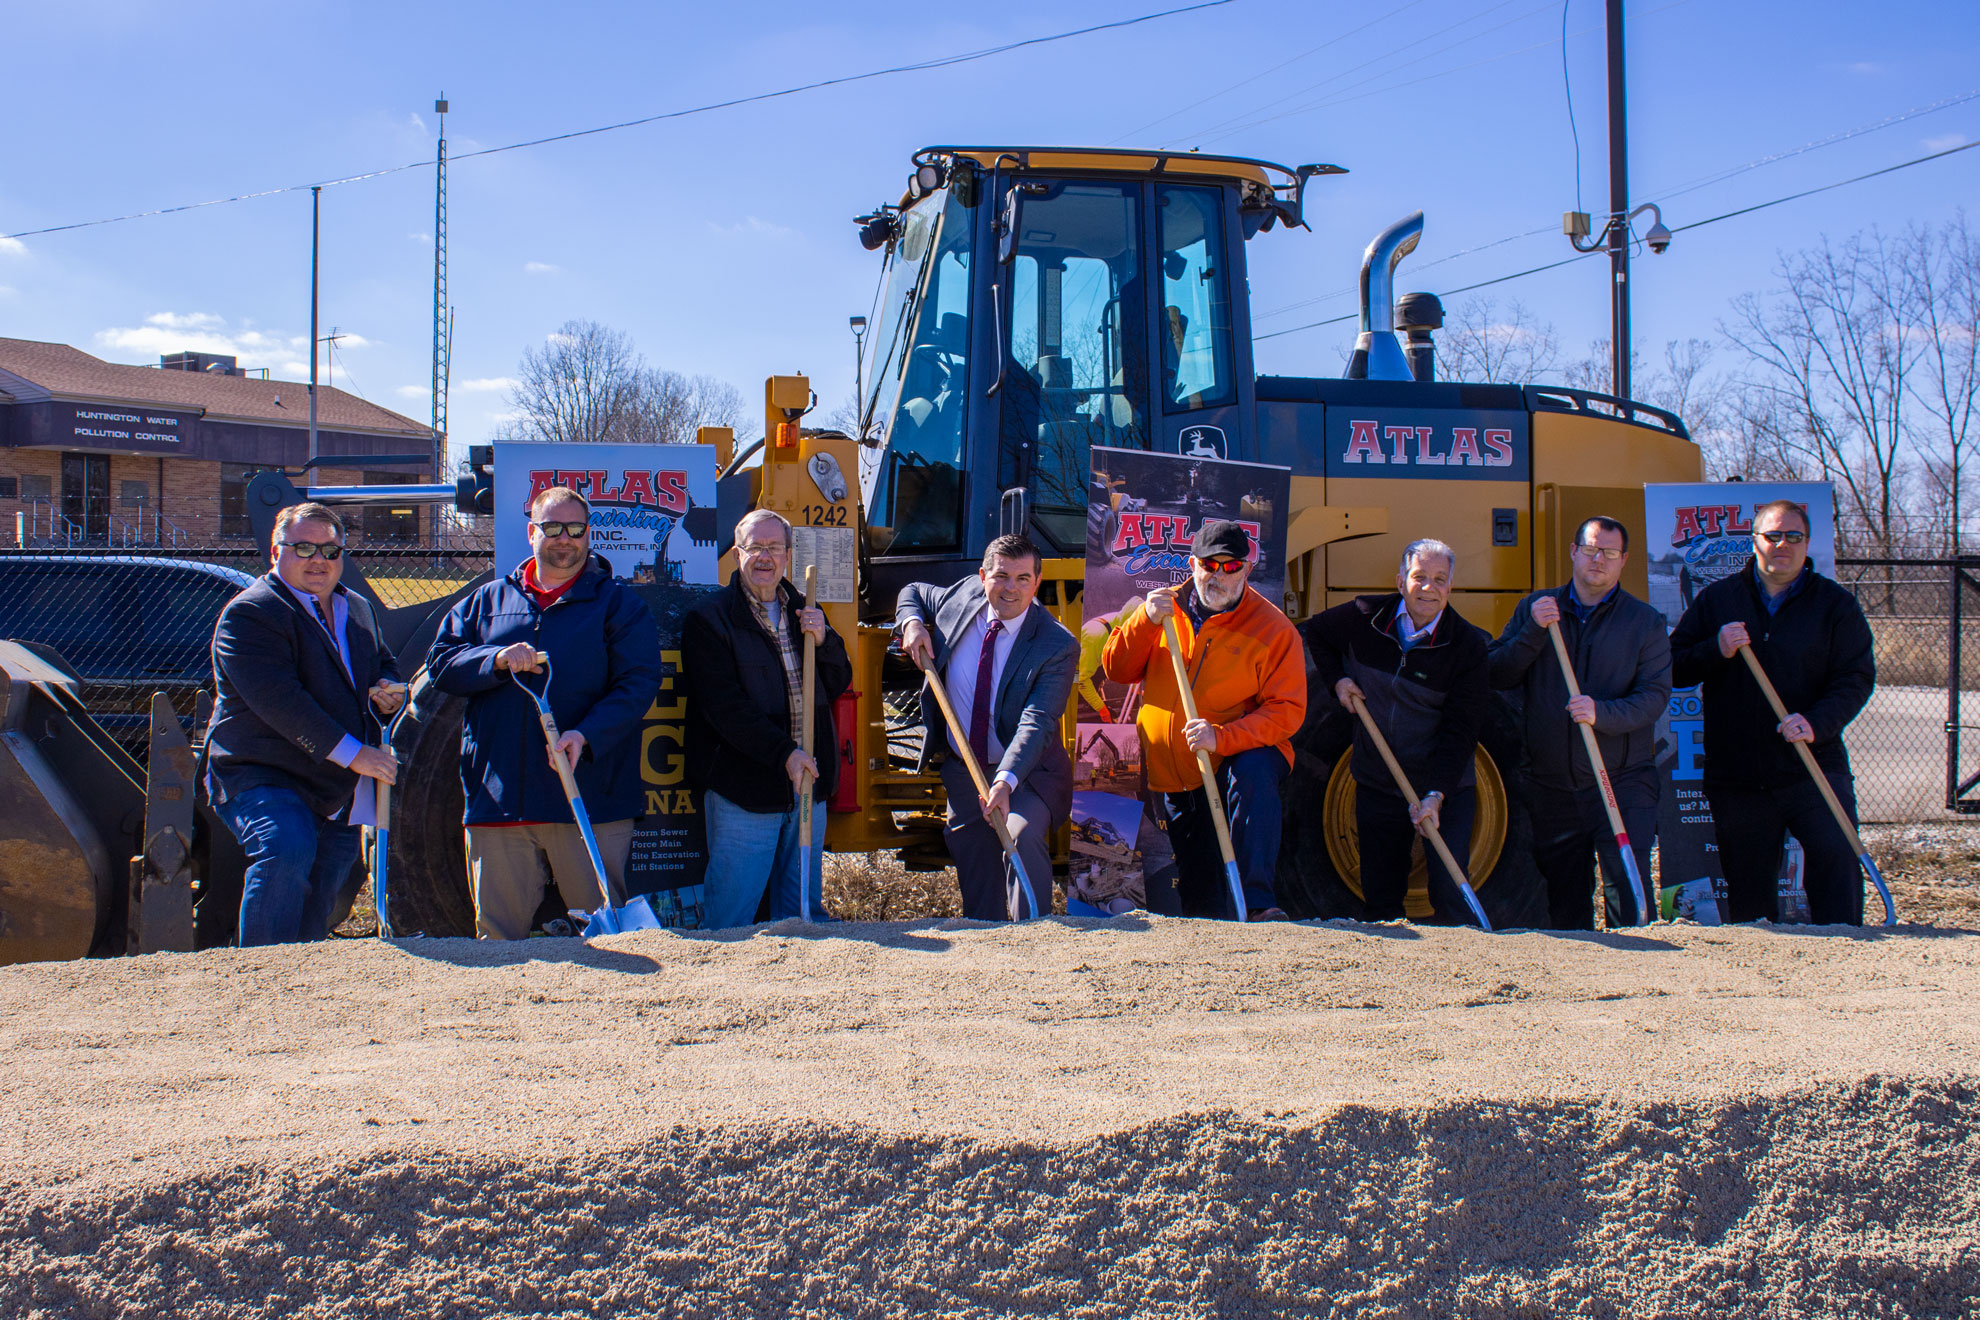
1038 303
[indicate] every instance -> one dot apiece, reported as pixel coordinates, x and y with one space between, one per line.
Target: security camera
1658 238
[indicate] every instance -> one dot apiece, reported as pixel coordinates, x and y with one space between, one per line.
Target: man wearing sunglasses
604 650
301 674
1622 661
1810 635
1248 673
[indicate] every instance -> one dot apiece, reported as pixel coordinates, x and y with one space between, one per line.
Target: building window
234 478
9 488
132 494
37 488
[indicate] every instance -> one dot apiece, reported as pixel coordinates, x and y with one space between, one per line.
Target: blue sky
722 242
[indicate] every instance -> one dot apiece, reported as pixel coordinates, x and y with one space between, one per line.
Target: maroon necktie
979 712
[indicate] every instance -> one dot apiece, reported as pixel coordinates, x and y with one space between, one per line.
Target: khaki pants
510 865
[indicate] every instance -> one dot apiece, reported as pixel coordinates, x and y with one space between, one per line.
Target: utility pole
315 200
1618 206
443 321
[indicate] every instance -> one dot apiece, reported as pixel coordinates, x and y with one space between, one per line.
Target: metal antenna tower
443 338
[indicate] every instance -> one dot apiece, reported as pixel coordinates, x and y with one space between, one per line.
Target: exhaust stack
1377 353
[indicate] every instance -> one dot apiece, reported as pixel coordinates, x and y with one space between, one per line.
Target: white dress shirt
960 678
1408 633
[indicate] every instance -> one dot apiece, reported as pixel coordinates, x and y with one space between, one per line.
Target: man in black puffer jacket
1810 635
1422 672
1622 661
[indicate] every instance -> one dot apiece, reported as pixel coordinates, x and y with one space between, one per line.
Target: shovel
1019 882
1602 778
1822 783
1210 789
1436 839
617 914
804 745
382 828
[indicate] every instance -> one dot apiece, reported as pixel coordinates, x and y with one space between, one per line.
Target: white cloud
484 385
293 371
8 291
420 238
751 226
12 247
413 391
1945 142
540 268
348 340
203 332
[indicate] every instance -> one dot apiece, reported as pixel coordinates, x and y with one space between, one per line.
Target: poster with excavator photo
1142 511
653 522
1694 534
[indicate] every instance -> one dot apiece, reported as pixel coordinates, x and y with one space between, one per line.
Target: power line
1567 90
1664 194
940 62
1695 224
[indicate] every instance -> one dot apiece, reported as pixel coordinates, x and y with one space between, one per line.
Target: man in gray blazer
1009 667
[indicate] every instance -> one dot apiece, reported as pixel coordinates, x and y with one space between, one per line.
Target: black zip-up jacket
1817 650
1622 658
1429 702
738 712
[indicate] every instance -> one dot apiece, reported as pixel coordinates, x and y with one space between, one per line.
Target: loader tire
426 885
1318 873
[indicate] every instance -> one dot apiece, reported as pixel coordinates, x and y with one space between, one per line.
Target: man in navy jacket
298 667
604 650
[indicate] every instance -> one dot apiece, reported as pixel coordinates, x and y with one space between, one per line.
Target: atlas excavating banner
1694 534
653 521
1142 511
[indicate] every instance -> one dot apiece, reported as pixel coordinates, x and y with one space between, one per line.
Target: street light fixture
858 324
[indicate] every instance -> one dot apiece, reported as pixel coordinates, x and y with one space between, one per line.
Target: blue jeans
749 851
1250 781
297 862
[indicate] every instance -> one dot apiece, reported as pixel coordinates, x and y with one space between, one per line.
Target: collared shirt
1407 633
364 806
1582 612
960 679
1773 603
770 616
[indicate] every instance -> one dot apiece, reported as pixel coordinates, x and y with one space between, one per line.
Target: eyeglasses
1775 538
330 550
1225 566
1600 552
750 551
552 530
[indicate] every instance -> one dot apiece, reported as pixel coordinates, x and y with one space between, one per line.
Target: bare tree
1946 274
586 382
1479 343
1834 355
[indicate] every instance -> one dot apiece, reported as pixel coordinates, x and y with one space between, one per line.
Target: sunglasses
552 530
1775 538
1224 566
330 550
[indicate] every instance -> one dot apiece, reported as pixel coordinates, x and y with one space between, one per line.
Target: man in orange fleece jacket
1247 668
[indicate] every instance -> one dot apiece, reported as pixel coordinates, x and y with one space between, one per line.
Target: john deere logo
1204 442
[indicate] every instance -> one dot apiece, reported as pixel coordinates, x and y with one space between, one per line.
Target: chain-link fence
136 620
1898 747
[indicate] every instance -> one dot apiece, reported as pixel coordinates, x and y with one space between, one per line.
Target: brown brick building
100 452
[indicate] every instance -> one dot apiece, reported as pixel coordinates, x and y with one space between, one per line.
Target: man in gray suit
1009 667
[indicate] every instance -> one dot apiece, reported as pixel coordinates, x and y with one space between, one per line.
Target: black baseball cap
1220 536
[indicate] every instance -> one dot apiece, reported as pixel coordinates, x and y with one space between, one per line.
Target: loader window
1077 338
918 493
1195 325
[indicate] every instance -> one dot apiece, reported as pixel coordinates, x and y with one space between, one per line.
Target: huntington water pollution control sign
1694 534
653 521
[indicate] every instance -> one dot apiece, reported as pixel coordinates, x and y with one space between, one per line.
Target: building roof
60 371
